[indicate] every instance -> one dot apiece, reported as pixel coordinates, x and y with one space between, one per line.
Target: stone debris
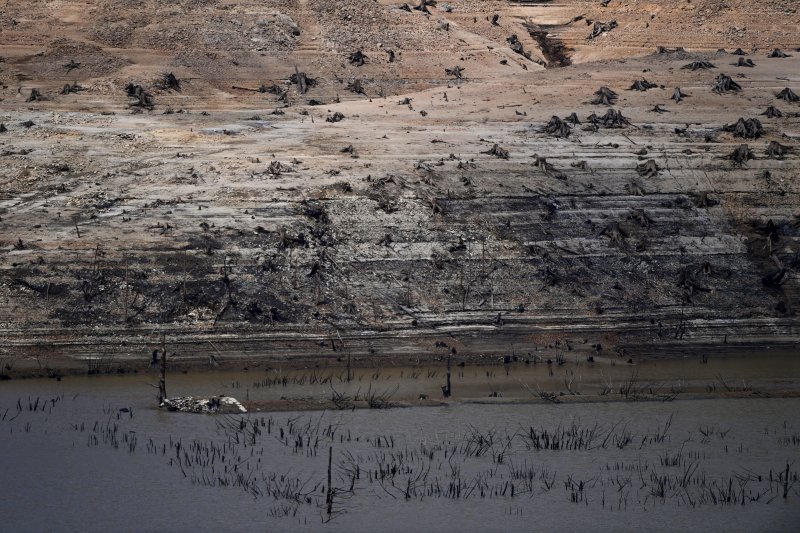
211 405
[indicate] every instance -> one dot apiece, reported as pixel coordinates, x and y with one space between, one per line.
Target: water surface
95 455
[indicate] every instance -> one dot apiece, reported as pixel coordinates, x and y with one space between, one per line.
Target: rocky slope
393 207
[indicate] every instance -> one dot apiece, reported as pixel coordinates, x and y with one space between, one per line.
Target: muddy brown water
719 374
93 454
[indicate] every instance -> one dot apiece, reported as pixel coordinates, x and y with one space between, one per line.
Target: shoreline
45 366
299 405
386 382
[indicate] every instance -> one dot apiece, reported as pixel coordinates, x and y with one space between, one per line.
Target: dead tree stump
557 127
455 72
497 151
741 155
678 95
748 129
723 83
35 96
604 96
787 95
772 112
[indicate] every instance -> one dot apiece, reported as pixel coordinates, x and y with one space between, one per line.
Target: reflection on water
93 454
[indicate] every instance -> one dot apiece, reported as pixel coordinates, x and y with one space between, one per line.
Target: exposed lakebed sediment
237 226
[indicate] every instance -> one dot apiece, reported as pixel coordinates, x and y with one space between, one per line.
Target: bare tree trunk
127 292
345 347
449 390
446 390
162 380
301 81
